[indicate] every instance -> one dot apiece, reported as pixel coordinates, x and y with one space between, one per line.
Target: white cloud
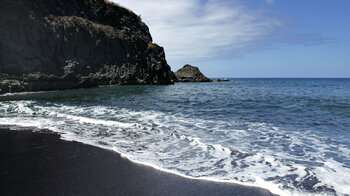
197 29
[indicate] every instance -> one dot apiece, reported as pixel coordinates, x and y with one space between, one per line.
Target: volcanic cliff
66 44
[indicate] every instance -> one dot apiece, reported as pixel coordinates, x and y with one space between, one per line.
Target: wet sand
43 164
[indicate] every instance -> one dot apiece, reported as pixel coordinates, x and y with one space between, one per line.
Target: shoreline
35 163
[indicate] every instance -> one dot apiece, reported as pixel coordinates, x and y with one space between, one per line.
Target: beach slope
43 164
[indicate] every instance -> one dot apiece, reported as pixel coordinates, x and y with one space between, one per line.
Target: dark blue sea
291 136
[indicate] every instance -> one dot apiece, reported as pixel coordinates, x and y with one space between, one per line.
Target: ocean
290 136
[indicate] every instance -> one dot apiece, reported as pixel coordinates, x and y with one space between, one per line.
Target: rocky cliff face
65 44
190 74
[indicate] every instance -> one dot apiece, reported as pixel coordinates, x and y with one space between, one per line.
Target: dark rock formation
173 77
65 44
190 74
221 80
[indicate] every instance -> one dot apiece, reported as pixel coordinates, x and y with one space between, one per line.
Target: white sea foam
22 93
334 174
247 153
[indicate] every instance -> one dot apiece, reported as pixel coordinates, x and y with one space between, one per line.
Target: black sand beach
42 164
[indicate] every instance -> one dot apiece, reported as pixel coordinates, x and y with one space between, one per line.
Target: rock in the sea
221 80
190 73
61 44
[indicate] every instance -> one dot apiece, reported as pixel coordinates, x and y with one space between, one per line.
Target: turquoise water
291 136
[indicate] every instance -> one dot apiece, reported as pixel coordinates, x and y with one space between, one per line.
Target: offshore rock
61 44
190 73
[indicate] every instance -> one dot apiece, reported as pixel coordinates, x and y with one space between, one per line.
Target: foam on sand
258 154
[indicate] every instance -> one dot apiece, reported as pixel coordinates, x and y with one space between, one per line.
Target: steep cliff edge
65 44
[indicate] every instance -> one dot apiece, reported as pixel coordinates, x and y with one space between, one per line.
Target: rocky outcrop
221 80
61 44
190 74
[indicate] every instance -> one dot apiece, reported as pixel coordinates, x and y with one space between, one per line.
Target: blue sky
252 38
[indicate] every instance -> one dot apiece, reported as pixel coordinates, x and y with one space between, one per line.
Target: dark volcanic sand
42 164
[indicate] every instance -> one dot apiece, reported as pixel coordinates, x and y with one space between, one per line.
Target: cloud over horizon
202 29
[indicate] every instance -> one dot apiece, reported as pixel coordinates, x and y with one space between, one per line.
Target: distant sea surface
291 136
